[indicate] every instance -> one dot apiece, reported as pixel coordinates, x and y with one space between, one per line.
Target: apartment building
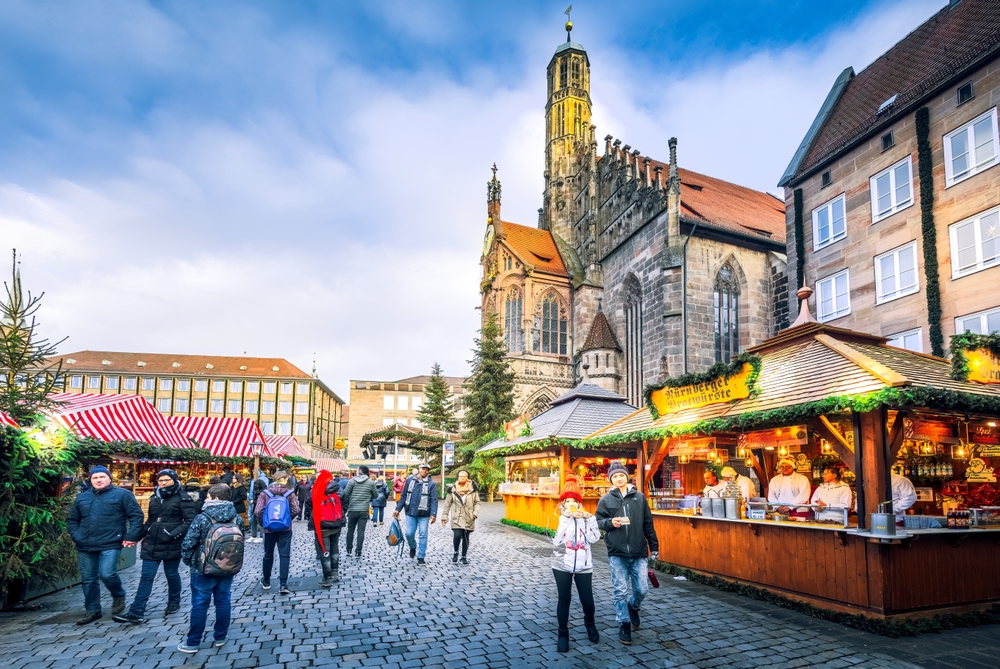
892 199
279 396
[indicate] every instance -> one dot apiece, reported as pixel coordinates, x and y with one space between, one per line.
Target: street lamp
258 448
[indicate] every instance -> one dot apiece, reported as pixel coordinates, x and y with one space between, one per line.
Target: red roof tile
534 247
163 363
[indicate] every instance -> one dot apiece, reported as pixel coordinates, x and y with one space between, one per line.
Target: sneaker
420 562
283 590
172 608
625 634
454 558
117 605
633 615
266 584
89 617
128 617
413 552
185 648
219 643
465 560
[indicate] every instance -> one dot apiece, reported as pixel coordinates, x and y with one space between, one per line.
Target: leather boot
592 632
334 569
325 563
563 646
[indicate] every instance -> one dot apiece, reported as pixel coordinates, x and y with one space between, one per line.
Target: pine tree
490 400
27 377
438 411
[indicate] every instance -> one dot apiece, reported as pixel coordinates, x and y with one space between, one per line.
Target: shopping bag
395 536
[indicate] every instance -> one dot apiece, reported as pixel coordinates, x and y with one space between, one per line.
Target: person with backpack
170 514
378 504
462 505
213 549
328 519
356 498
259 486
420 500
275 509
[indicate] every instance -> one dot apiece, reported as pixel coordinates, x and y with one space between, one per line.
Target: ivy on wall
800 243
928 231
968 341
720 370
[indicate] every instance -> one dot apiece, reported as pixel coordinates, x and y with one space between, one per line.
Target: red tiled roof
946 44
163 363
536 247
600 335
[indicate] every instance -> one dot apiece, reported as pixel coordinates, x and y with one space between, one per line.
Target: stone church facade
637 270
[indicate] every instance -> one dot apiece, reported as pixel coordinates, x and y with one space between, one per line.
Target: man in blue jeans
624 516
218 509
420 499
102 520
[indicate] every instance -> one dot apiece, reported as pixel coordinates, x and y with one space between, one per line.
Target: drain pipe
684 294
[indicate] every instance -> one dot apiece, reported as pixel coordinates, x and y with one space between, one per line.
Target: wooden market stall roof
413 438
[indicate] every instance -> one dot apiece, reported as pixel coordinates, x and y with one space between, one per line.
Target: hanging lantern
782 451
749 461
600 461
826 446
741 452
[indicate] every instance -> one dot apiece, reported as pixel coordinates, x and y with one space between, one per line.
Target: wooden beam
659 452
841 446
896 434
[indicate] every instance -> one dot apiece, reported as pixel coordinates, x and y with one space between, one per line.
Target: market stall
7 420
816 398
539 453
285 444
382 446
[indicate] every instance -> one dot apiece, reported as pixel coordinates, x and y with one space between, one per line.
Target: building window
285 407
76 382
286 388
302 408
553 328
301 429
401 402
910 340
200 386
253 386
896 273
199 406
985 322
268 407
130 382
727 314
148 383
970 149
826 179
828 223
975 243
267 427
513 321
284 427
386 422
93 382
888 141
416 403
965 93
302 388
891 190
218 386
270 386
181 405
235 386
633 341
234 406
163 404
833 297
388 402
216 406
251 406
166 384
111 382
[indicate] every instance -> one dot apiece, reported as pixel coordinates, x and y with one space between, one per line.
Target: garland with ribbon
720 370
968 341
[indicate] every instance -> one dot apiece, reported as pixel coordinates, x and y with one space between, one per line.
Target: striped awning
5 419
226 437
332 465
285 444
115 418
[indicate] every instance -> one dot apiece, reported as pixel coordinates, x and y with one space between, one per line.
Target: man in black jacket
624 516
102 521
170 514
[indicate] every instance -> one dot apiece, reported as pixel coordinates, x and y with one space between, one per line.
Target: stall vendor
713 486
903 495
833 492
747 488
788 487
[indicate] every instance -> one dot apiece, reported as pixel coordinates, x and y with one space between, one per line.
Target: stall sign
789 437
979 471
984 434
519 427
449 453
694 448
925 430
989 451
984 366
670 400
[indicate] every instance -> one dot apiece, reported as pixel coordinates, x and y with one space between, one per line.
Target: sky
307 180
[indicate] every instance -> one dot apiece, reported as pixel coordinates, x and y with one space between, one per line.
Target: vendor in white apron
788 488
833 492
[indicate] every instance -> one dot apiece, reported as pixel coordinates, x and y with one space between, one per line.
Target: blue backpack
277 515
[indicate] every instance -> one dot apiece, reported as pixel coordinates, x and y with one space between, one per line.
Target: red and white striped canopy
5 419
227 437
285 444
332 465
115 418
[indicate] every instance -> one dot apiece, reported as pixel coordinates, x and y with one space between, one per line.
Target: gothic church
637 269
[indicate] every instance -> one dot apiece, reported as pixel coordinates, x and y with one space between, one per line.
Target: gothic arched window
575 81
512 321
551 328
632 303
539 405
727 314
562 73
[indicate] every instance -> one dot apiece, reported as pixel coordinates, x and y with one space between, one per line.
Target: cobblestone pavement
498 612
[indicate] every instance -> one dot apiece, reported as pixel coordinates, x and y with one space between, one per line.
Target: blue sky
291 179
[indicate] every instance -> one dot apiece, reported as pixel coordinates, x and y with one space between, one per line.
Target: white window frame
302 408
949 178
267 427
76 381
181 405
284 427
286 388
981 315
111 382
93 382
234 407
163 404
235 386
251 406
832 279
218 406
302 388
199 406
268 407
253 386
402 402
416 402
301 429
900 292
166 384
977 223
896 206
131 382
201 385
270 387
218 386
183 385
148 383
285 408
817 245
388 403
386 422
901 338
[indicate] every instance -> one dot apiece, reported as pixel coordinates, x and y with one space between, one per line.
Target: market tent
224 437
115 418
285 444
7 420
405 436
333 465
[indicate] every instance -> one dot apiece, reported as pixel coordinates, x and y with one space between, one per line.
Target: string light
749 461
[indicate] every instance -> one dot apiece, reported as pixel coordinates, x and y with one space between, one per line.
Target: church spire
569 22
493 196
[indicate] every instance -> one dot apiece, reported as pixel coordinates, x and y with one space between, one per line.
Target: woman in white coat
833 492
573 561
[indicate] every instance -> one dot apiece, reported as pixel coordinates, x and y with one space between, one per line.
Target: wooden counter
539 510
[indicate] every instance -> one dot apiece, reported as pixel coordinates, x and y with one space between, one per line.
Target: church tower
567 127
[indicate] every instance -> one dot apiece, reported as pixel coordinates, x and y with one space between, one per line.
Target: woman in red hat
573 562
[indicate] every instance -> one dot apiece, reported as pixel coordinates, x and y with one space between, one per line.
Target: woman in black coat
171 511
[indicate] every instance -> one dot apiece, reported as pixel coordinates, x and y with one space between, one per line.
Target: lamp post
258 448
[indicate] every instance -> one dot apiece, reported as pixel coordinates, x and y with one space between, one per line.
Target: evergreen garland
89 449
527 527
968 341
929 231
720 370
800 241
406 439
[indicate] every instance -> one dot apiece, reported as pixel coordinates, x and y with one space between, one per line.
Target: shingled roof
600 335
956 39
534 247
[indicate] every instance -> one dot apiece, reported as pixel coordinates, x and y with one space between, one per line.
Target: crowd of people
206 530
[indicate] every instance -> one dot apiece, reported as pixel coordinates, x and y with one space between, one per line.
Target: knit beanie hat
571 484
571 494
99 469
616 467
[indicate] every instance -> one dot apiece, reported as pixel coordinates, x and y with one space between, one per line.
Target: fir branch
925 169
